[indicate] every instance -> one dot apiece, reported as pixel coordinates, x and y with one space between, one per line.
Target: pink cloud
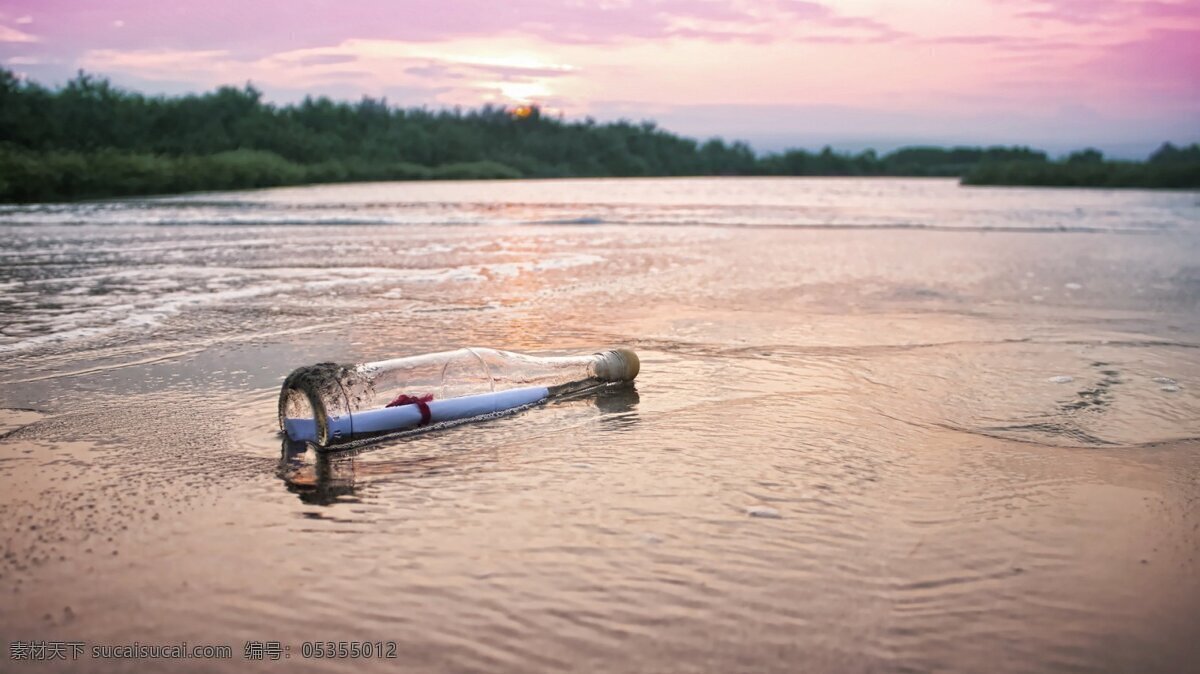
264 26
873 30
1164 62
1171 10
13 35
1083 12
1009 43
270 25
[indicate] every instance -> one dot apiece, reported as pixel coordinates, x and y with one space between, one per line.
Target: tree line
1168 167
89 139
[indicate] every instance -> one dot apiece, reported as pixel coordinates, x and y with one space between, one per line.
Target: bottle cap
618 365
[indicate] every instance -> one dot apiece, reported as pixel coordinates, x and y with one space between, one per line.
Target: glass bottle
331 404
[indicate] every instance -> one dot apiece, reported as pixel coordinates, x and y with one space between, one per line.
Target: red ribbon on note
422 404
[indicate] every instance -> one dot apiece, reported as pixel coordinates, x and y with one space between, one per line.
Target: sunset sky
1123 75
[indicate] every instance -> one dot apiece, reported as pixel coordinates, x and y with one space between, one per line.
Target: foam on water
764 512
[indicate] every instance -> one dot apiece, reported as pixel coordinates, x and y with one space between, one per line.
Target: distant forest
89 139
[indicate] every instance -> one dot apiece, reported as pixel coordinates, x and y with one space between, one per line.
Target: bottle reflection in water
330 404
318 478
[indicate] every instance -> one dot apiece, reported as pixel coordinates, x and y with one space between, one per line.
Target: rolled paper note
403 417
301 430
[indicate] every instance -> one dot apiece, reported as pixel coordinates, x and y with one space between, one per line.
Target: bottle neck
599 369
616 365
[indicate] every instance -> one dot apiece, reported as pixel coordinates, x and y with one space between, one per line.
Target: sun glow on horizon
524 93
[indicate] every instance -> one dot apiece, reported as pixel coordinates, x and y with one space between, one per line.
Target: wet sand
958 431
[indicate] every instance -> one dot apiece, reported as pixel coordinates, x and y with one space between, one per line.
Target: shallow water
881 425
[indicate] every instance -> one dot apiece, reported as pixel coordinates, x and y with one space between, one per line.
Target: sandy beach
881 425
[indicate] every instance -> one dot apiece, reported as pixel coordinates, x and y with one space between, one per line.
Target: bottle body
330 404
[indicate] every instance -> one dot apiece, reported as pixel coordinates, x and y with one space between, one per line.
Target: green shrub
475 170
1091 173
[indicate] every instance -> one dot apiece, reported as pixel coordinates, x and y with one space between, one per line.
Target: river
881 425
